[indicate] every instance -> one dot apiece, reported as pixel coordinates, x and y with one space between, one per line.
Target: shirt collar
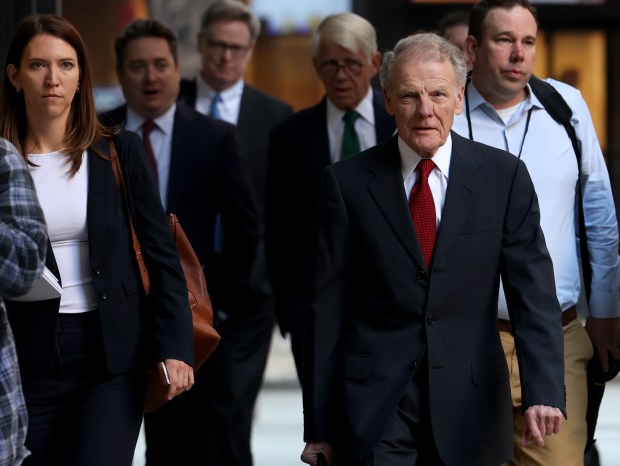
365 108
409 158
476 100
164 122
204 90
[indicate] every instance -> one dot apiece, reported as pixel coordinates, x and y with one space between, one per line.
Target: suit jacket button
97 271
420 274
430 320
103 295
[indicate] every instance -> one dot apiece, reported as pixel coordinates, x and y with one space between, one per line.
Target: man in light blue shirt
501 111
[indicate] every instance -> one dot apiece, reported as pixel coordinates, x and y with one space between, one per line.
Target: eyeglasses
220 48
330 68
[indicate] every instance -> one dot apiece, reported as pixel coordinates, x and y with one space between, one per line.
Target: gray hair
348 30
231 10
429 46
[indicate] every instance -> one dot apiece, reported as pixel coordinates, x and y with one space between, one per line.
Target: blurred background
579 43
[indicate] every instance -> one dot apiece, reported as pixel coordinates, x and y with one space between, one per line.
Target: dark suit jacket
130 322
207 177
298 155
258 114
377 309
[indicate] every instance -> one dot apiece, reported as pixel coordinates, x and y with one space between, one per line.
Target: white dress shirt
230 102
161 142
364 125
438 178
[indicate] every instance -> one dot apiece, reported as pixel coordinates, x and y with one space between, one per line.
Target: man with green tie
350 118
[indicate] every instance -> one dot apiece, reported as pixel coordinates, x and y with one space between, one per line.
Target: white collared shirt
229 105
161 141
364 126
438 178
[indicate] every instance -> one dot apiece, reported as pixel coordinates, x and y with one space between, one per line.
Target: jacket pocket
130 284
489 371
357 366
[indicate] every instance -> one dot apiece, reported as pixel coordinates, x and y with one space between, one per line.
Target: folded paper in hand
47 287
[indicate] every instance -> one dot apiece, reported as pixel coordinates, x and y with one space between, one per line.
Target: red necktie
147 128
422 209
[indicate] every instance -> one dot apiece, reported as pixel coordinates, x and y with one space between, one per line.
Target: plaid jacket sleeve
23 234
23 242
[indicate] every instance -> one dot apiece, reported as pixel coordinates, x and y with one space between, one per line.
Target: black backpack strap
558 109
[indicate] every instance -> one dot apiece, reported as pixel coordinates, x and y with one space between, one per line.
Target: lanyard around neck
471 133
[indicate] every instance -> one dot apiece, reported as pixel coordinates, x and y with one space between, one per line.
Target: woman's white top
63 199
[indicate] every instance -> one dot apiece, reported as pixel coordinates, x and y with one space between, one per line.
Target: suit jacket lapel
461 184
384 123
101 184
316 140
248 116
387 190
181 135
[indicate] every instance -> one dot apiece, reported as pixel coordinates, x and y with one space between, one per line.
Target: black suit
207 177
133 331
299 153
239 364
378 310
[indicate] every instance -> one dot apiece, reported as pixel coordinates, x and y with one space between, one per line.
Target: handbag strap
118 175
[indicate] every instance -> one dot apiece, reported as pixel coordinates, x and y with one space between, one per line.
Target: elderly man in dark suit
403 363
351 117
201 177
229 30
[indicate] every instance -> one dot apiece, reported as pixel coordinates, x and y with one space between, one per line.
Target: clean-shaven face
423 97
504 58
48 75
345 75
150 76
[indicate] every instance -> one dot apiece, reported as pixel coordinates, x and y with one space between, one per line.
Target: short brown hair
230 10
481 9
142 28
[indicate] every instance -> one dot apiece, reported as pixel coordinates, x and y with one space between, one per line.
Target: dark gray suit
238 364
298 155
378 310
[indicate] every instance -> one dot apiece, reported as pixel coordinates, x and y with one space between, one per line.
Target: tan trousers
567 447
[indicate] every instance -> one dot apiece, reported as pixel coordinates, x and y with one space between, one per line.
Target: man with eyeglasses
229 30
350 118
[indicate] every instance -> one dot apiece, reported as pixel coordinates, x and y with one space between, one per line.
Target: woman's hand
179 377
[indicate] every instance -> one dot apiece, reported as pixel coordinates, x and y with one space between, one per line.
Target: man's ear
388 102
471 47
200 43
315 64
375 61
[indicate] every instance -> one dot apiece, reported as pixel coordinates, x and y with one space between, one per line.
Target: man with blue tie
351 117
229 30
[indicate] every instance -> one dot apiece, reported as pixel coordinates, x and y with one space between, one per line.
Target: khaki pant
567 447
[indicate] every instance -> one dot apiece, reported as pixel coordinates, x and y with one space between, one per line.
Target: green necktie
350 140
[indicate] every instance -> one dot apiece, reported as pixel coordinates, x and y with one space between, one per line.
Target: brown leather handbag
205 336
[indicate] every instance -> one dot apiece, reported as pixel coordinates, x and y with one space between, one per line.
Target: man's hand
309 455
539 421
605 336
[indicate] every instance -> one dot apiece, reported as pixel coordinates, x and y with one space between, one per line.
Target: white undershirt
63 200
